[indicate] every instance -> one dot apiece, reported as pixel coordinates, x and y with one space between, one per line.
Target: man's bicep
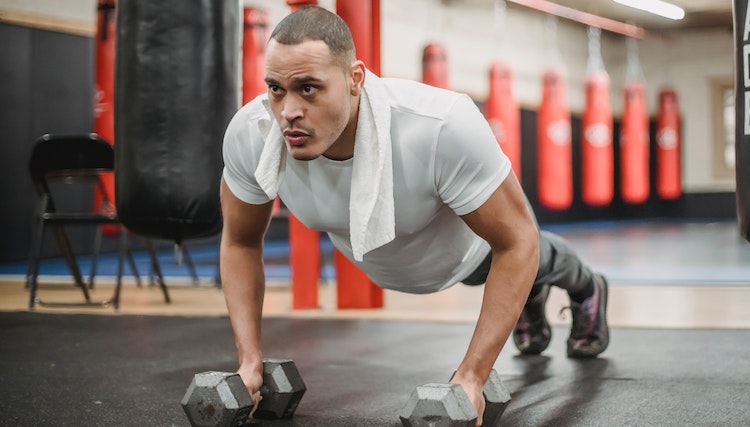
243 223
504 218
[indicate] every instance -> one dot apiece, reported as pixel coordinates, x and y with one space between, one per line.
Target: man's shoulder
246 121
255 109
410 96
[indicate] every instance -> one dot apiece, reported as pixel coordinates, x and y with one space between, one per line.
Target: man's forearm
508 284
243 283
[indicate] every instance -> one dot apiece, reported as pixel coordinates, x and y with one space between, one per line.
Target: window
724 125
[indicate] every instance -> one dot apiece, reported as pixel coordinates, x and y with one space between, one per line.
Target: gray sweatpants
558 266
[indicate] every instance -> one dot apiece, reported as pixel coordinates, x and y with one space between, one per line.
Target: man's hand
253 379
474 390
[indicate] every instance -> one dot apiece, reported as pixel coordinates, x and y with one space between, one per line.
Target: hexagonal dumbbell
437 405
220 399
282 389
216 399
496 400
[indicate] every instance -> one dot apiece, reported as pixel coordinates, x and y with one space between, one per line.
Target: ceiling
698 13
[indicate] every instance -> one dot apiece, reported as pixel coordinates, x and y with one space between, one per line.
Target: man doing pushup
409 183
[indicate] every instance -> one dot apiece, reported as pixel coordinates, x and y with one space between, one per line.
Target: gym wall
45 88
46 61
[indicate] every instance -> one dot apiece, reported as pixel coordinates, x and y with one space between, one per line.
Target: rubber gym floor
679 352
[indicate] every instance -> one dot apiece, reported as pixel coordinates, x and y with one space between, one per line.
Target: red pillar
104 102
304 244
355 289
304 260
104 114
254 39
375 36
358 16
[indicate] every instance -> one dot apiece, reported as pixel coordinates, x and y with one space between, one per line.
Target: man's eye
308 89
274 89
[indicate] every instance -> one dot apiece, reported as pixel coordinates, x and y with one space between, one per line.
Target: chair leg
33 268
157 269
190 265
95 255
133 267
120 261
130 258
37 234
67 251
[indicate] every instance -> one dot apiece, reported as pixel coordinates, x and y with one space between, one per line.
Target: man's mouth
296 138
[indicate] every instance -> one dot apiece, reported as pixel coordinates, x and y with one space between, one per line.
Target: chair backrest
70 154
72 158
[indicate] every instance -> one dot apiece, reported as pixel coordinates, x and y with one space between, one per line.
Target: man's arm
505 222
243 280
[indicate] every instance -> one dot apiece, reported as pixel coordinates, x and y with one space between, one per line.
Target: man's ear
357 73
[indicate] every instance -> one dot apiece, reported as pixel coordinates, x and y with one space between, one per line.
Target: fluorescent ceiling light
657 7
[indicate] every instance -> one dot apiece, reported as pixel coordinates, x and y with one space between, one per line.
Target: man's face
312 100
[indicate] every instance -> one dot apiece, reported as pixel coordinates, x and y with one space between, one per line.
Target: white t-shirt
446 163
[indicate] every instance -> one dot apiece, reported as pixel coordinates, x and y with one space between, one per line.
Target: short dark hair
317 23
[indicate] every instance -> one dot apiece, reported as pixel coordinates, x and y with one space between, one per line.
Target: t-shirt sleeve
469 164
243 144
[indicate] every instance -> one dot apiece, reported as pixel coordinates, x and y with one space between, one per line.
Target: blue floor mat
628 252
205 261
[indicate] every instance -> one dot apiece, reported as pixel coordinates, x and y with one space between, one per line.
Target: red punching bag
634 145
597 157
104 106
435 65
634 140
668 176
503 113
254 39
554 162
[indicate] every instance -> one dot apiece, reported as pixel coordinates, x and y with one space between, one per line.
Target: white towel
272 162
372 221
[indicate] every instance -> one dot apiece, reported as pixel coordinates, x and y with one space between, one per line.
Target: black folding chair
75 160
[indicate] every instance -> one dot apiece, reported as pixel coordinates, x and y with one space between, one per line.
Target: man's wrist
252 361
467 375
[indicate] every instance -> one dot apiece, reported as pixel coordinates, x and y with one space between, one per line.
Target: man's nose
292 109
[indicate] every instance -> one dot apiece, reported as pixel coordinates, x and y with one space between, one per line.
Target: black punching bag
176 88
742 120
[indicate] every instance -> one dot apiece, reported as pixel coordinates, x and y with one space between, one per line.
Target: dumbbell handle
496 399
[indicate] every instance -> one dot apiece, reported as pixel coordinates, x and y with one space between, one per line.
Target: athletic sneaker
532 333
589 334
